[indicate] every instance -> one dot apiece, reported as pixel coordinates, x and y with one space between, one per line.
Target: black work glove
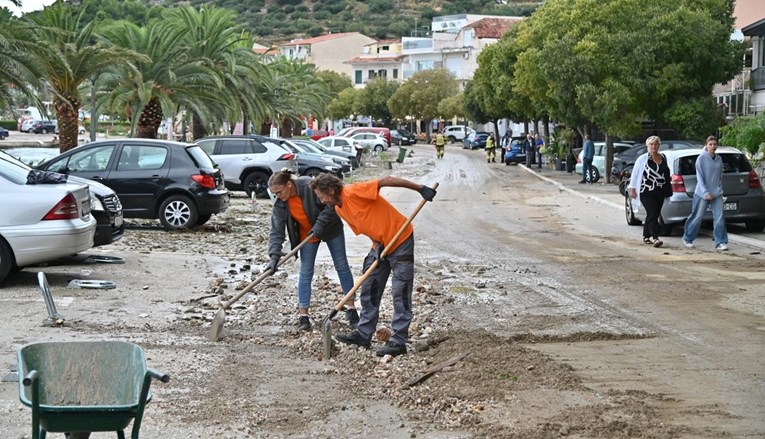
317 230
272 265
427 193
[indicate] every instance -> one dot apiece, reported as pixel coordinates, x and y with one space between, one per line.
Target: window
358 76
370 74
235 146
135 157
93 159
385 47
382 73
340 142
207 146
395 73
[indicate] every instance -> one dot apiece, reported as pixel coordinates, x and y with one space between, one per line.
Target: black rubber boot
354 338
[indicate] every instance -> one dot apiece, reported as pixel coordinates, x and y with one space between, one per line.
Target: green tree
335 82
344 104
420 95
17 70
453 106
373 99
68 53
746 133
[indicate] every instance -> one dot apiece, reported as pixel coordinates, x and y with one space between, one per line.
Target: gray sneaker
304 323
688 244
721 247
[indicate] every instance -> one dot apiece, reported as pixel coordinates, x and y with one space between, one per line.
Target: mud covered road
569 325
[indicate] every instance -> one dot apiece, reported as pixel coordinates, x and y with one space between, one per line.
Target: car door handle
155 177
246 159
97 178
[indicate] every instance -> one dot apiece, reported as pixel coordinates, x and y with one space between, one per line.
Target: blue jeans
693 223
308 260
586 168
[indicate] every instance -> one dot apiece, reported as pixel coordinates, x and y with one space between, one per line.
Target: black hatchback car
177 183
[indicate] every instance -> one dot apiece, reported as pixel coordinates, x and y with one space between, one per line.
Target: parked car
475 140
318 134
315 149
374 142
41 222
44 127
105 205
402 137
380 131
351 156
599 161
3 133
343 144
246 162
454 133
310 164
516 153
174 182
625 160
26 125
744 200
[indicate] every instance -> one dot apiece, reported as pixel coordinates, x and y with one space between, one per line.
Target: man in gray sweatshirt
709 190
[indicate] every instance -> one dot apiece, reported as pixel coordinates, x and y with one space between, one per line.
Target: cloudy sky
26 5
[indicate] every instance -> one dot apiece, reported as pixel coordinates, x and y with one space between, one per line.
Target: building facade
327 52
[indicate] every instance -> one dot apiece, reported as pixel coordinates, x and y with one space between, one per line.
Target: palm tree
216 41
17 70
67 53
166 79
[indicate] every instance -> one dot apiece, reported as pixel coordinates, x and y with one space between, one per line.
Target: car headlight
332 168
327 159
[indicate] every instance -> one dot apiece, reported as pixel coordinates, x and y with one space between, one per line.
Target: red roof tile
380 59
492 27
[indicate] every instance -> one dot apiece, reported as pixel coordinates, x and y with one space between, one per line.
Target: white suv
246 162
456 132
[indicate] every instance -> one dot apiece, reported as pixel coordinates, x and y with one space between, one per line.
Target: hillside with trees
272 21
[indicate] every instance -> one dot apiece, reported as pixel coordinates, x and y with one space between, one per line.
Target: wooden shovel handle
385 251
266 273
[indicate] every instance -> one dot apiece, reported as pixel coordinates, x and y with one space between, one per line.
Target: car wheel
178 212
43 131
755 225
255 182
379 148
629 213
313 172
452 139
6 259
594 175
623 187
201 219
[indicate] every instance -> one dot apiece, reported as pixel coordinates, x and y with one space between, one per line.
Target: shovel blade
217 325
326 338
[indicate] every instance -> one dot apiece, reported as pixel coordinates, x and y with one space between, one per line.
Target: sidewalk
608 195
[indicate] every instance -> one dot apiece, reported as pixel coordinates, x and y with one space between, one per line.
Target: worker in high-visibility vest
490 149
440 144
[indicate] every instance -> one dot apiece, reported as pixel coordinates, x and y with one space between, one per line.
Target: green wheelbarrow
82 387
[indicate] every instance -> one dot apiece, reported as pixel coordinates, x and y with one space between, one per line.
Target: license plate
118 221
726 206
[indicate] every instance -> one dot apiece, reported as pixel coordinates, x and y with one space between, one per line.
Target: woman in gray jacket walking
298 210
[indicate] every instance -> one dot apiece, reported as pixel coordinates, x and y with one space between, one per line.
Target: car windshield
309 148
200 157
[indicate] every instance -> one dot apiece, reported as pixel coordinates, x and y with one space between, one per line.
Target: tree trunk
198 129
68 121
265 128
546 126
525 127
149 120
609 158
286 128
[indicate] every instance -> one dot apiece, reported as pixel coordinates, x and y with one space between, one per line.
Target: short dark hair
327 182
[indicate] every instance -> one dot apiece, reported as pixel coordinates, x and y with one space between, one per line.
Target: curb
736 239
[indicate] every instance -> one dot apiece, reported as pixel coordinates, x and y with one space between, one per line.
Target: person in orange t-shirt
299 211
366 212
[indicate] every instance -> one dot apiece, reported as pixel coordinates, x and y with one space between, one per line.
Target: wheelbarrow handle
30 378
161 376
385 251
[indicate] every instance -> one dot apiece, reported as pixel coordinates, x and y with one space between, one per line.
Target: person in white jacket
650 178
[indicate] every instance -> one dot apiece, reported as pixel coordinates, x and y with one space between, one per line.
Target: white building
383 59
756 31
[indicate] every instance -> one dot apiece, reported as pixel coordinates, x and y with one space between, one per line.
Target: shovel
220 316
326 325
